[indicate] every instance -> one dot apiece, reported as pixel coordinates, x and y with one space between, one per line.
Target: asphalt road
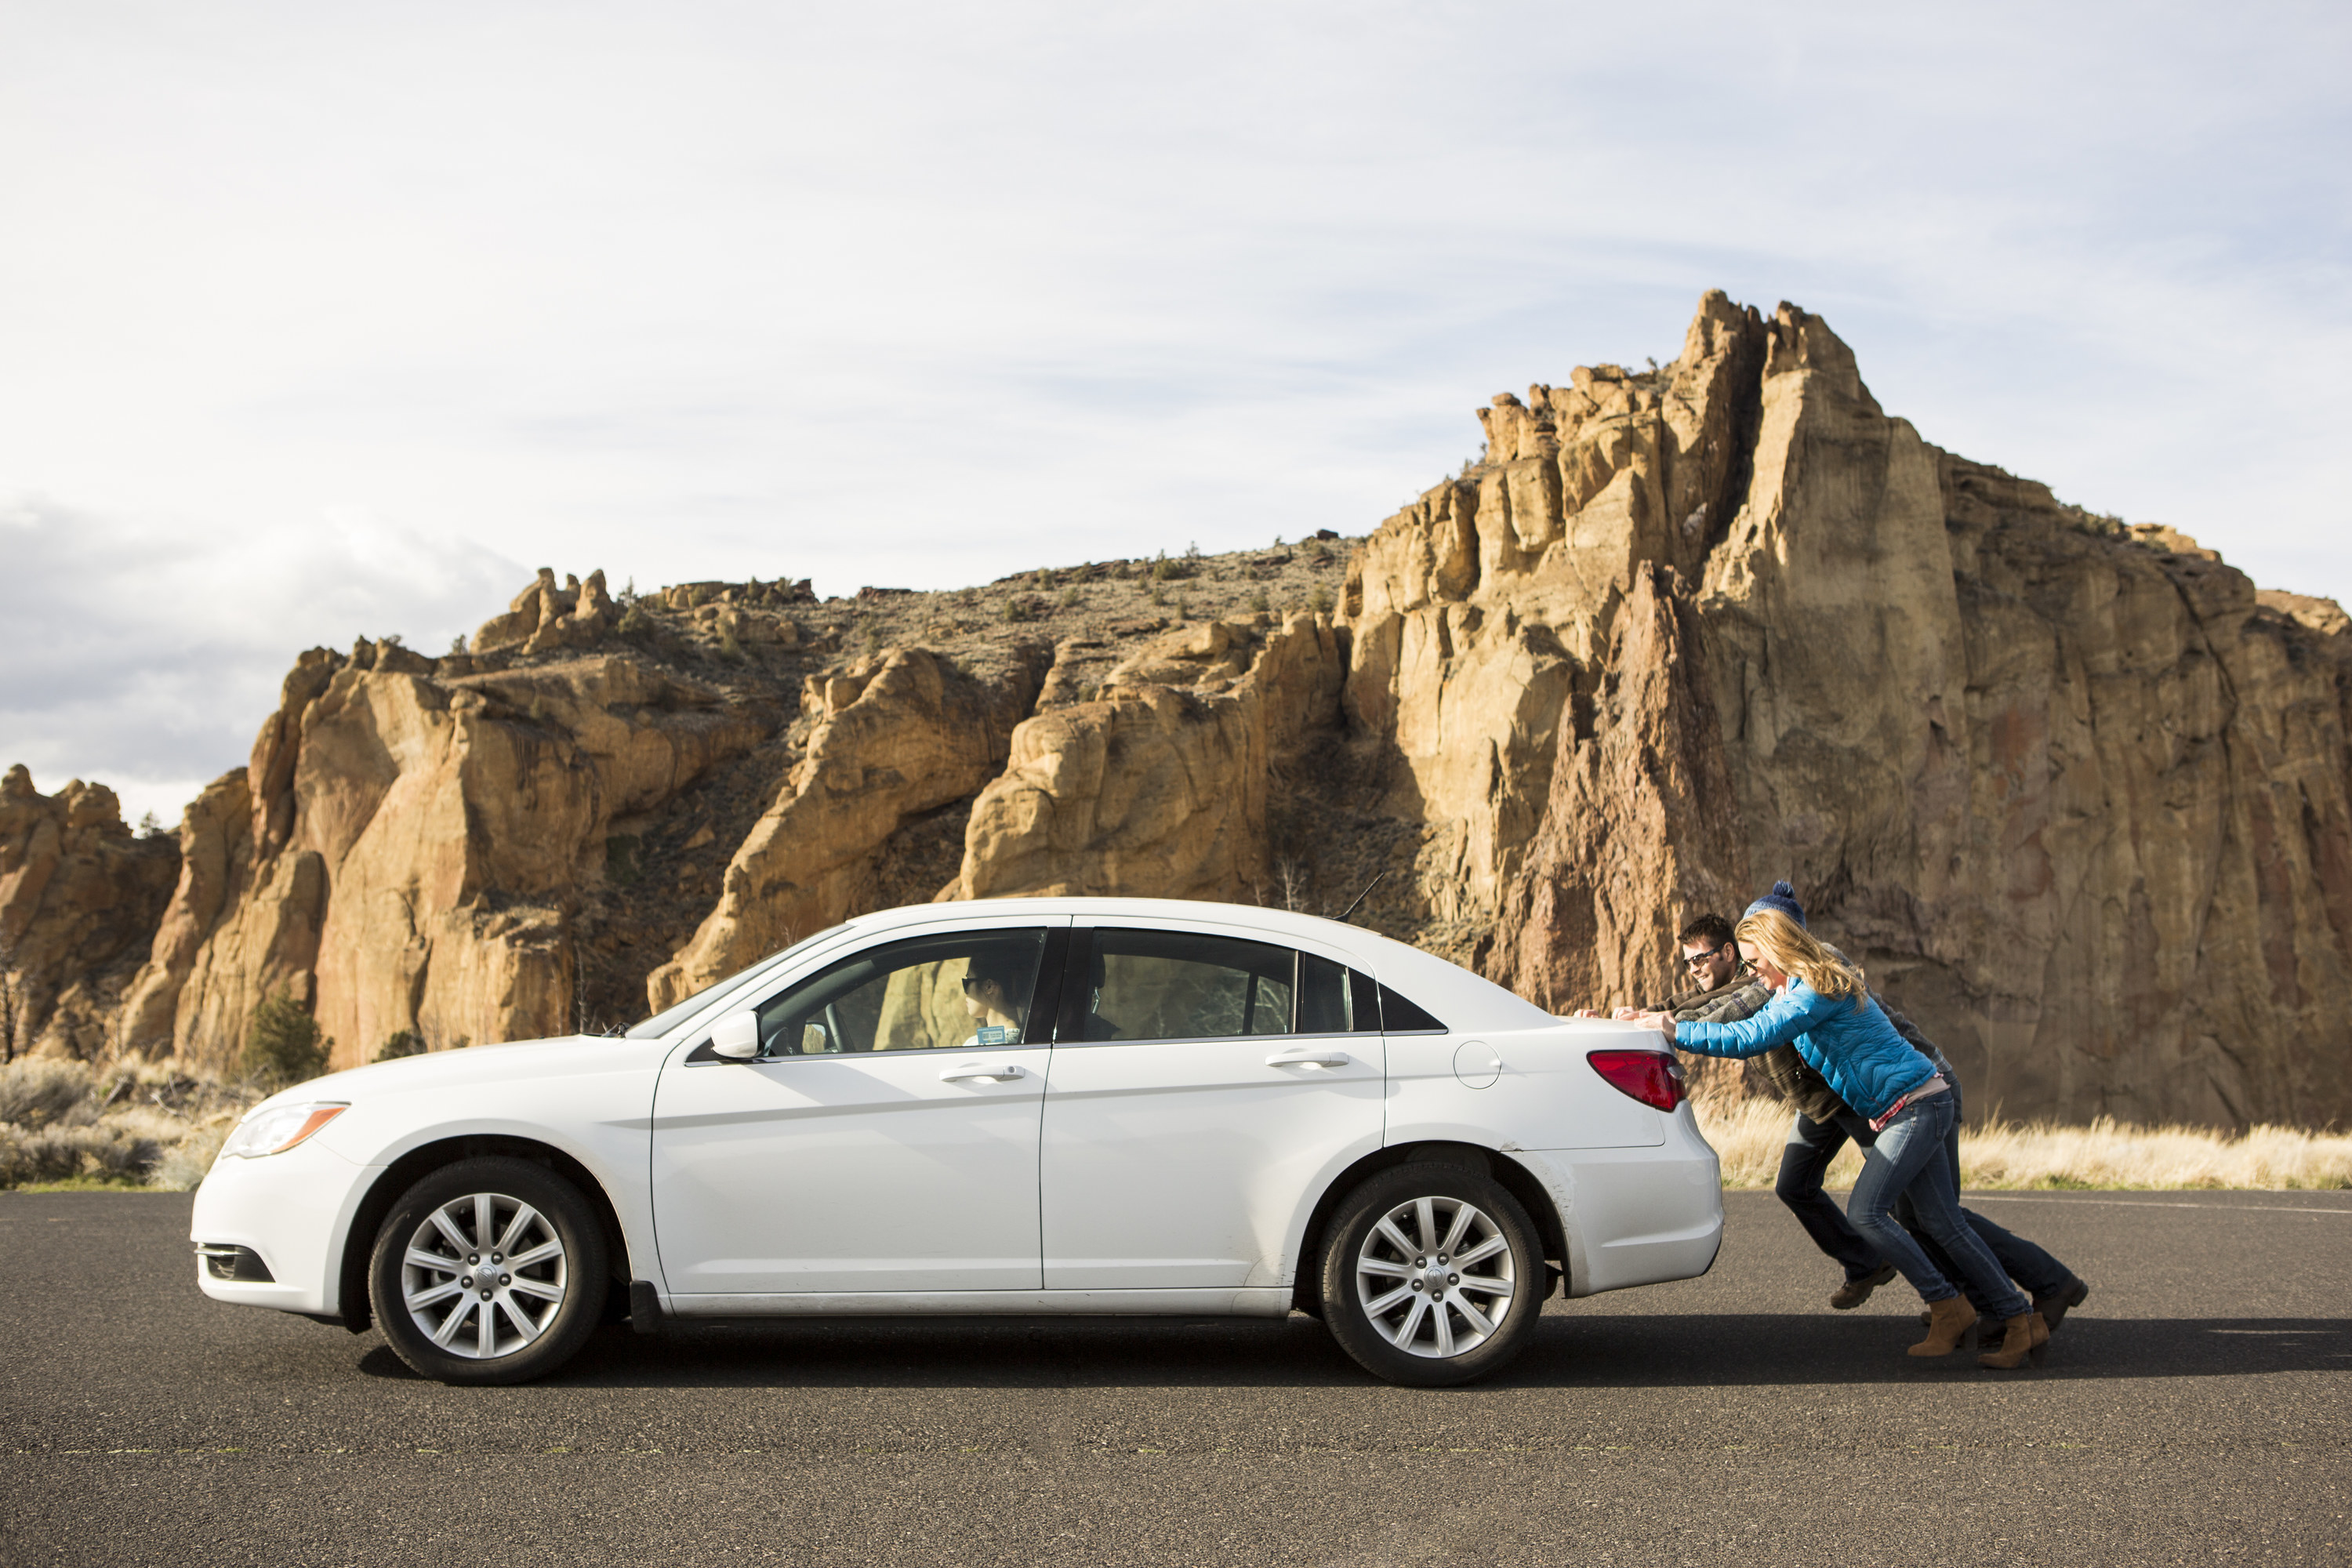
2195 1411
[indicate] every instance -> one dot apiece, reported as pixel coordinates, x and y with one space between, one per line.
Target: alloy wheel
484 1274
1435 1277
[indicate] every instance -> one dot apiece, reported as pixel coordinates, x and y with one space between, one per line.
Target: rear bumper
1637 1216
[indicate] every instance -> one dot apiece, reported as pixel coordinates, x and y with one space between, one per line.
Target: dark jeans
1806 1159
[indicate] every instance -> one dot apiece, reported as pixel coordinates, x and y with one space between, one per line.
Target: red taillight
1653 1078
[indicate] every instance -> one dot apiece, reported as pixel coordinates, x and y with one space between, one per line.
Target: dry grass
1749 1133
131 1125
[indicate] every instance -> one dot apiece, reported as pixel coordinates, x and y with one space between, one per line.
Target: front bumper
291 1211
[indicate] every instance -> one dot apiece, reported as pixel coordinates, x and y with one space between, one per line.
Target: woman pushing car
1823 1008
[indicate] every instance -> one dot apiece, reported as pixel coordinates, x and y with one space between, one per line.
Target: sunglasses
1694 959
971 979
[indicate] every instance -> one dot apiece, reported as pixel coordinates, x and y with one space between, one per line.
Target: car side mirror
737 1037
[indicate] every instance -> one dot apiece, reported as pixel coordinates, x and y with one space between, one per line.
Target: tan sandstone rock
418 848
893 736
78 895
2072 794
1157 788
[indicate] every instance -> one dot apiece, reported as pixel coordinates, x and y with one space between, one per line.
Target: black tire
538 1314
1407 1341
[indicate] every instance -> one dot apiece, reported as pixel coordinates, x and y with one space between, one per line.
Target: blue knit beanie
1782 898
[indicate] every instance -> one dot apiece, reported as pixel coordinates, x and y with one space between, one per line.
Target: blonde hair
1791 947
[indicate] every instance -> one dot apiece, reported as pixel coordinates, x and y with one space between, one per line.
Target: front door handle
996 1072
1304 1058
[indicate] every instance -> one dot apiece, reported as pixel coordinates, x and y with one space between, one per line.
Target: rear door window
1182 985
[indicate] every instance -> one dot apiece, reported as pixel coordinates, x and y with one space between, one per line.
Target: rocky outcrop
408 846
1635 829
1475 608
2074 792
215 863
79 896
1158 786
544 618
895 736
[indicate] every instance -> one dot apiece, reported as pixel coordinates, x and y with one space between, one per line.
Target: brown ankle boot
2021 1336
1948 1320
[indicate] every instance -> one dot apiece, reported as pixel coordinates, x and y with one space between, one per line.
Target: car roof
1465 1000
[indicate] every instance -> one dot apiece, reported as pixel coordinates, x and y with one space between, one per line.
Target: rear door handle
999 1072
1309 1058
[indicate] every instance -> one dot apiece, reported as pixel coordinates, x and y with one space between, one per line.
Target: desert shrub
401 1043
1020 608
1320 600
103 1150
634 622
283 1043
1070 600
183 1164
621 864
63 1121
41 1091
1259 601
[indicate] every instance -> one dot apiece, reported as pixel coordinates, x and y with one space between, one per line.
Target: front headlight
278 1129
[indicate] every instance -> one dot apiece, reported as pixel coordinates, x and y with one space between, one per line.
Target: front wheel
486 1271
1431 1275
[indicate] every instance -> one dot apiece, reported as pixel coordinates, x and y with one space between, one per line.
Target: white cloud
146 657
925 294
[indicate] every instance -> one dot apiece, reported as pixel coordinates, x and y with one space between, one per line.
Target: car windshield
669 1018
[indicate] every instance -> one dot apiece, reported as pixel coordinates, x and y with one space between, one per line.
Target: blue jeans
1908 1160
2036 1272
1806 1160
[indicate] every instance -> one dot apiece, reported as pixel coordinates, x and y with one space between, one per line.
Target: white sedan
1047 1106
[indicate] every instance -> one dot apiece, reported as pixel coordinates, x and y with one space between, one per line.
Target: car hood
519 1060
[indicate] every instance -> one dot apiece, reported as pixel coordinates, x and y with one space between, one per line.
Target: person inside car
995 996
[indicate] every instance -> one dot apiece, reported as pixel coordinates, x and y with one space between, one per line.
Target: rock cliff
79 898
415 845
2073 792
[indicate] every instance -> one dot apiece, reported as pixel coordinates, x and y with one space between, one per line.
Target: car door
883 1140
1203 1083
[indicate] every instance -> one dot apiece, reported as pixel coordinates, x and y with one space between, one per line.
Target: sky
327 322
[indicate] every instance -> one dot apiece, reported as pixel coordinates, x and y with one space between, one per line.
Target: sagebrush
131 1124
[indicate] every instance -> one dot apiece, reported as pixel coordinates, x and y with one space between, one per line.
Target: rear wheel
1431 1275
487 1271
